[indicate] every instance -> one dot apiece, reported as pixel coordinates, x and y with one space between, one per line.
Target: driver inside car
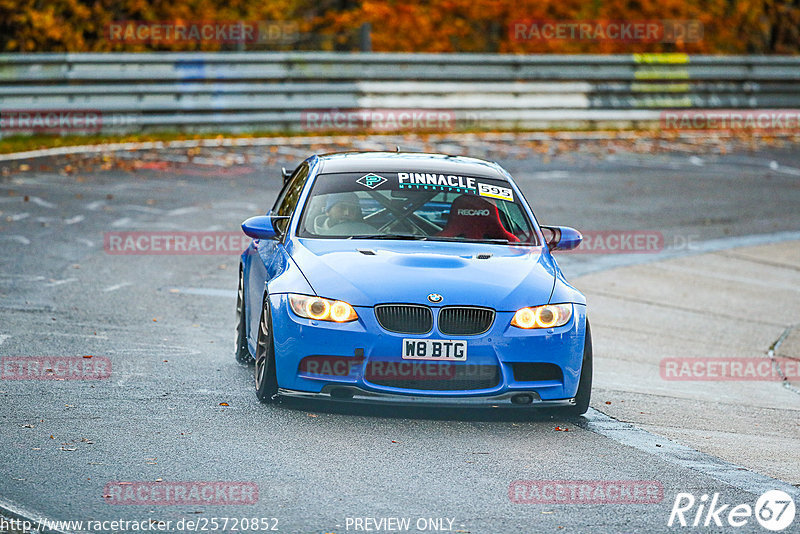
342 216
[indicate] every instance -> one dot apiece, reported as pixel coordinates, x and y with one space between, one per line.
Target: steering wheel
404 226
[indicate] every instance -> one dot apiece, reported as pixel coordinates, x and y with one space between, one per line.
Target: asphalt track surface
177 407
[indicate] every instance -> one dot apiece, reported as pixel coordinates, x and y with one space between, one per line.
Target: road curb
786 347
695 305
344 139
15 512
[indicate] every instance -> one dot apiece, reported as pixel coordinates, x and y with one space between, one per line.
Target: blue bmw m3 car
411 278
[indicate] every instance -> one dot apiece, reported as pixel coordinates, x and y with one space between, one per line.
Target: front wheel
585 382
266 379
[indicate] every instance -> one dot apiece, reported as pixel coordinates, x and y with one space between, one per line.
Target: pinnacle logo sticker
436 182
371 180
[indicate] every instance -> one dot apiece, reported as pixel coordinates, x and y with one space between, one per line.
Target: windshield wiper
390 236
477 240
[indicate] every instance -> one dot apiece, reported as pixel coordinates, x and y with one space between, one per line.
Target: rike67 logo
774 510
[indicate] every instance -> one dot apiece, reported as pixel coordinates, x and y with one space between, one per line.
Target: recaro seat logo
474 213
371 180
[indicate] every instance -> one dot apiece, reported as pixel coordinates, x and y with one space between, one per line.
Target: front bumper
362 342
353 394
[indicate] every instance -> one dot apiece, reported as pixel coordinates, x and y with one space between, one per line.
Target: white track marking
183 211
18 238
206 291
675 453
71 334
550 175
116 286
773 165
55 283
574 267
41 202
143 209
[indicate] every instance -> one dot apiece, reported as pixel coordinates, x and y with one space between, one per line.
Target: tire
264 369
241 351
584 393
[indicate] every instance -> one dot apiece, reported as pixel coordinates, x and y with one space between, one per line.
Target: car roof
408 161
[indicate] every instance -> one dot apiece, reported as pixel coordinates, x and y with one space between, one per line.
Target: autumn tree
729 26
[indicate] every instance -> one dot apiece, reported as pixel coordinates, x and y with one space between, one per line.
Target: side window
290 195
286 185
514 220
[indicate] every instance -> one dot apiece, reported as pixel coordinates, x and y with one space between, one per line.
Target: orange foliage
729 26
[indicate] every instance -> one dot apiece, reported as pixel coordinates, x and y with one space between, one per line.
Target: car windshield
410 205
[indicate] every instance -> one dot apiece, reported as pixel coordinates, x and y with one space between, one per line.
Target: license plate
435 349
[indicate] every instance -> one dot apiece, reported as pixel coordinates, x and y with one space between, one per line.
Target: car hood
369 272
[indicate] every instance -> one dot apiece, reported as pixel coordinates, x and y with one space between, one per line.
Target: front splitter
353 394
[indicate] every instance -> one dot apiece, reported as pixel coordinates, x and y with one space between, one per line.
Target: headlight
548 316
321 309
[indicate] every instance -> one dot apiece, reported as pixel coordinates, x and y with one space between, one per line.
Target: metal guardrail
272 91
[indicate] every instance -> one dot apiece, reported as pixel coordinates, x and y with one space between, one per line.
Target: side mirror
286 174
261 227
561 237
